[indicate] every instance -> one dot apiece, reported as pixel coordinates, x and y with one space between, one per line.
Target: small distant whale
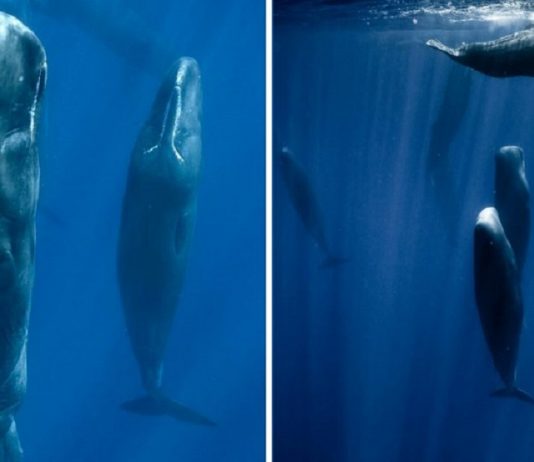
512 199
440 169
508 56
158 217
498 298
305 202
22 84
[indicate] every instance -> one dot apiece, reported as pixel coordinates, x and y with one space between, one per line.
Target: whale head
488 224
23 76
172 134
491 243
487 240
284 156
510 160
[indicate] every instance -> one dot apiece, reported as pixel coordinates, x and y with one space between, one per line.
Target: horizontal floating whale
508 56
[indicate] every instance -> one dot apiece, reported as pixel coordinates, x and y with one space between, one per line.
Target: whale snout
487 215
187 85
510 156
283 156
180 131
488 222
173 130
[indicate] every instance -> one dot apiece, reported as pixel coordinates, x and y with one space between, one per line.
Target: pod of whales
508 56
305 201
158 217
512 199
22 83
499 300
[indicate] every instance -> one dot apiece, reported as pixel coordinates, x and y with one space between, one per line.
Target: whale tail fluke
159 404
443 48
332 261
513 392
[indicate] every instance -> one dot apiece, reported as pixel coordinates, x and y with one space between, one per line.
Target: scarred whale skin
22 83
508 56
158 218
499 300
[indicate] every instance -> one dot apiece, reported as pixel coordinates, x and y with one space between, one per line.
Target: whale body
22 84
498 298
508 56
306 204
157 223
512 199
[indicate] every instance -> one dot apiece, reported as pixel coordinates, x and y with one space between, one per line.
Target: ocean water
105 62
383 359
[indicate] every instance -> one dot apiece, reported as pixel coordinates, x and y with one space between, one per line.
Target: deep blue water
383 359
80 364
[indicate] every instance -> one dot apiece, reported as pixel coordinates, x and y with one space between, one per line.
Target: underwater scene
403 278
132 230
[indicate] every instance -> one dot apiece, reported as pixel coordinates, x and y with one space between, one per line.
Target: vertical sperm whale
305 202
22 83
499 300
512 199
158 217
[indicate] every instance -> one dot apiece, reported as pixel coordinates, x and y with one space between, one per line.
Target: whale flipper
453 53
158 404
513 392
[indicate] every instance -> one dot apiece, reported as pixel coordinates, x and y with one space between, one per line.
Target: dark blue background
383 359
80 364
